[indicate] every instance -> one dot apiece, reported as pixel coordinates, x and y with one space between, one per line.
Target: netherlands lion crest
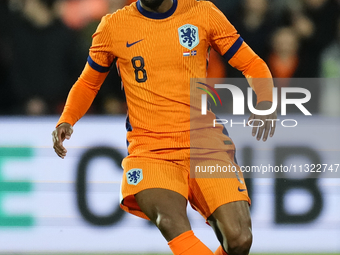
134 176
188 36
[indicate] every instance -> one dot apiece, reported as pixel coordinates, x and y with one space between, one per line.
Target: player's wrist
64 124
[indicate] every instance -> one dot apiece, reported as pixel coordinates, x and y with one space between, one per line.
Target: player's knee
164 223
240 243
172 226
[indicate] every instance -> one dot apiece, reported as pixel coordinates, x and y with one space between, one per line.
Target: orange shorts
206 191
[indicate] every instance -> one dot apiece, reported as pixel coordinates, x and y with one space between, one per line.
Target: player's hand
268 127
62 132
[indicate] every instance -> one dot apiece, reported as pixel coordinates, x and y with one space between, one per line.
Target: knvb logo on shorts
134 176
188 36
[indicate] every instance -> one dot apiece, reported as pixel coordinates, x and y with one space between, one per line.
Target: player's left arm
259 77
225 40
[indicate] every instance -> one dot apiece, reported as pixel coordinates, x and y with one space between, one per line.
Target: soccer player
159 45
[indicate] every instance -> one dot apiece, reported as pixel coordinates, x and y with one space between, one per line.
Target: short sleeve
223 36
101 56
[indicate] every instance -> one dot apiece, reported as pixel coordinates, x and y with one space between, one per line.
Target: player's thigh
156 202
166 209
157 189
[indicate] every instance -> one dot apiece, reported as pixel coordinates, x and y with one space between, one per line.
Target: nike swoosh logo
241 190
131 44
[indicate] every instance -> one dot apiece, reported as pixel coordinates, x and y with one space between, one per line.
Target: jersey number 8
140 72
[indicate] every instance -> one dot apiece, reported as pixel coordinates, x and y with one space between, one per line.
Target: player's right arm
78 102
86 88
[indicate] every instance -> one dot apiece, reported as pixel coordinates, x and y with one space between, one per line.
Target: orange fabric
158 90
82 95
188 244
161 102
156 173
256 71
220 251
176 170
210 190
216 68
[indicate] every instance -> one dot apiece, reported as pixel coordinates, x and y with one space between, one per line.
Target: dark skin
62 132
269 126
159 6
167 209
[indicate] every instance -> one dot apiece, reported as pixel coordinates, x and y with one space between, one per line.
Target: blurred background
71 206
44 46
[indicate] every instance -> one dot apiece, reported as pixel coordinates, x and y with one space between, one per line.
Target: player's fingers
255 124
68 133
273 127
250 119
56 147
58 144
266 130
59 150
261 127
55 139
60 137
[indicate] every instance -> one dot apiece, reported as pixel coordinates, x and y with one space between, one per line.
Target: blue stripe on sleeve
233 49
95 66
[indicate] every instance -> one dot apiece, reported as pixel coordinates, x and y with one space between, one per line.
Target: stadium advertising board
52 205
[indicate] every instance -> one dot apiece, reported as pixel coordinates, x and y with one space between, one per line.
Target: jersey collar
154 15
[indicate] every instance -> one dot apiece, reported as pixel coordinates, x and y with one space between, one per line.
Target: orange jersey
152 55
157 54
